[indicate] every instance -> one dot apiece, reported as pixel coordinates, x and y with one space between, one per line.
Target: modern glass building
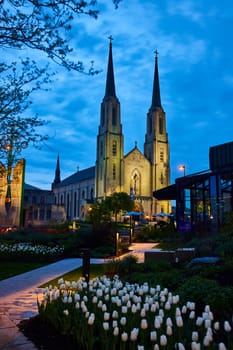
204 199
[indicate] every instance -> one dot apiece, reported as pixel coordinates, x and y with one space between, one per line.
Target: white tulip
124 336
217 326
134 309
195 336
192 315
106 316
124 309
116 331
153 335
206 341
227 326
221 346
195 346
134 334
169 322
106 326
114 323
181 346
184 309
94 299
207 323
179 321
143 313
99 293
104 307
76 297
199 321
123 321
153 308
91 319
169 330
163 340
114 314
144 324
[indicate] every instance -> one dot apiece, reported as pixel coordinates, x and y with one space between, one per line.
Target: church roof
80 175
110 82
30 187
135 149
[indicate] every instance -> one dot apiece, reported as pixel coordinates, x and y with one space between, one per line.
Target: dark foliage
44 335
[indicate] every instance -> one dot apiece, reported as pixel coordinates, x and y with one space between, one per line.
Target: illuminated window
114 148
114 171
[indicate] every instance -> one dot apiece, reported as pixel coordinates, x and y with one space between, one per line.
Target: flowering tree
17 131
44 26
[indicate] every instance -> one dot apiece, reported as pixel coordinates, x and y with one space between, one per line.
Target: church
138 173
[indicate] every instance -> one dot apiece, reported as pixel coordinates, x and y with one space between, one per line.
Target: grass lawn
13 268
74 275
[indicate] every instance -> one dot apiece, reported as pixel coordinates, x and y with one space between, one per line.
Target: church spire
110 83
156 100
57 178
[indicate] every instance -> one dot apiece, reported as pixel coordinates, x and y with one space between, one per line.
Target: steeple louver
110 82
156 100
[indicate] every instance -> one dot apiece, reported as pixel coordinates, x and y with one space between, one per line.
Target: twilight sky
194 40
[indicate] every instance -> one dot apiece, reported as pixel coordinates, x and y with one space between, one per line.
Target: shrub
208 292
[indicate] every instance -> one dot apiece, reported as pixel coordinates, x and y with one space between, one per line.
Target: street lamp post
182 167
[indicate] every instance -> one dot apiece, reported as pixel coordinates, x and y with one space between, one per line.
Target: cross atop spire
110 39
156 53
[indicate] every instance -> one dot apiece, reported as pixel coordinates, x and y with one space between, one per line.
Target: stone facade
136 173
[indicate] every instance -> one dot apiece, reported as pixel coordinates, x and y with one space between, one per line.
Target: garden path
18 296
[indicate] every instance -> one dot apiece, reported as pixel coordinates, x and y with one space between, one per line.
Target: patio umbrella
163 215
133 213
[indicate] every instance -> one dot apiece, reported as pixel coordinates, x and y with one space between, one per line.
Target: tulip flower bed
109 314
28 251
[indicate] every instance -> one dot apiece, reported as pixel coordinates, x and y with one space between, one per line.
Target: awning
166 193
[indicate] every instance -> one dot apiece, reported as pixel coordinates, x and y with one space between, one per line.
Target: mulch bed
44 336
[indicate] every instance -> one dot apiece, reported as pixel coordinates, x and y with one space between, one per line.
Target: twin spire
110 81
156 100
110 90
